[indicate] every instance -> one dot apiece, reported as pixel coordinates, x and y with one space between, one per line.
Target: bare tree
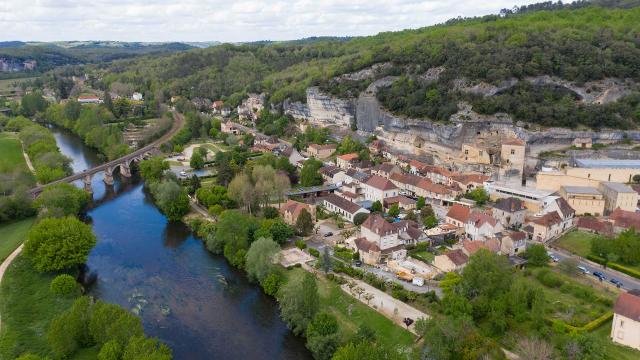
534 349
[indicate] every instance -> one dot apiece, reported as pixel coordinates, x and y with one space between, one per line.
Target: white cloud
240 20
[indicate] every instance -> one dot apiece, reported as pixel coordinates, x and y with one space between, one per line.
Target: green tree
536 255
62 200
152 169
309 175
304 223
430 221
322 336
108 101
271 284
326 263
69 331
420 203
360 218
111 350
109 322
365 350
59 243
197 161
479 195
121 107
261 258
394 210
140 347
171 198
72 110
64 285
233 235
299 302
376 207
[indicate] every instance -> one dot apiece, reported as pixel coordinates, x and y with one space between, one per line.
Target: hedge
590 326
615 266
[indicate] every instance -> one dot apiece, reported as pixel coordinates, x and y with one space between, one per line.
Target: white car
183 173
583 270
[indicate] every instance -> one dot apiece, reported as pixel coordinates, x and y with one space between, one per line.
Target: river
188 298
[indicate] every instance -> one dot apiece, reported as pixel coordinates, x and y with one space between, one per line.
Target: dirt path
5 265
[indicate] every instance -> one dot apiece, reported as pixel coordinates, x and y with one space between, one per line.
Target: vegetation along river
188 298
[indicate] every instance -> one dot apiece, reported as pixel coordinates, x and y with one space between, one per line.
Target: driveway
406 285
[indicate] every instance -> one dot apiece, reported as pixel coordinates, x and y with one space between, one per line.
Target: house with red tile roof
547 226
345 208
377 188
623 220
346 161
509 211
481 226
451 261
458 215
382 241
292 209
594 225
469 181
625 327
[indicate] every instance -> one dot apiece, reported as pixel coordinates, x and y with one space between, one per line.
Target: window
621 324
513 151
466 152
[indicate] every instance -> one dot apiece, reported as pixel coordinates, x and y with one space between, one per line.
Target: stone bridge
122 164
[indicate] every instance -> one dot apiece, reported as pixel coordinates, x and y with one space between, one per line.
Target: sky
226 21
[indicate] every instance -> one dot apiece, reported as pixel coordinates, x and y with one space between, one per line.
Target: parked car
583 270
599 275
554 258
328 234
616 282
183 173
358 263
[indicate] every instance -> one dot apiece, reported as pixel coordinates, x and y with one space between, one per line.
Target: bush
64 285
549 279
300 244
314 252
271 284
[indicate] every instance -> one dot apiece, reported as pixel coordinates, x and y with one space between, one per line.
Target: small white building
625 328
345 208
136 96
377 188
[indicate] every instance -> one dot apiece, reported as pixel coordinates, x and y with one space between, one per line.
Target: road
628 282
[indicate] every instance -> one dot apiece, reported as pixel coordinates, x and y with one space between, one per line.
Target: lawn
27 307
424 256
613 351
12 158
577 242
573 302
351 313
12 235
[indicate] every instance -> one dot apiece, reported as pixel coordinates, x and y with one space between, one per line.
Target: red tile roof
467 179
459 212
478 219
434 188
378 225
593 224
628 305
365 245
349 157
294 208
380 183
513 141
510 205
548 219
343 204
457 257
625 219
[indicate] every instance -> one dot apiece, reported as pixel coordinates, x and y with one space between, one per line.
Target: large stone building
512 160
589 172
618 195
583 199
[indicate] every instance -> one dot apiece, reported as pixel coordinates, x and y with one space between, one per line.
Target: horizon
242 22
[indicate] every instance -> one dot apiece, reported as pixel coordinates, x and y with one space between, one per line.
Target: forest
579 42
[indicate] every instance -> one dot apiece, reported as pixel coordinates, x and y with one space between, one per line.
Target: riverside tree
260 259
59 243
299 302
62 200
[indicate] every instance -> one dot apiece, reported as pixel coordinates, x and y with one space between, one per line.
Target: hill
51 55
540 64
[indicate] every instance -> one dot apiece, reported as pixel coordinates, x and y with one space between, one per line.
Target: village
410 222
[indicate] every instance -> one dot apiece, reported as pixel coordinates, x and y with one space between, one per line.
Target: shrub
300 244
64 285
549 279
314 252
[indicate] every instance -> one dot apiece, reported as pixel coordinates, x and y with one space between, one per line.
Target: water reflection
187 297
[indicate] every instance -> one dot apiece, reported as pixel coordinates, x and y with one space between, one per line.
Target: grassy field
12 235
27 307
613 351
569 302
577 242
11 150
425 256
8 84
351 314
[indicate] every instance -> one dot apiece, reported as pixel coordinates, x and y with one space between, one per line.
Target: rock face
464 127
328 110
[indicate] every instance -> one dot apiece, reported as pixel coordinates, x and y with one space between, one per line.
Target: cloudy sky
218 20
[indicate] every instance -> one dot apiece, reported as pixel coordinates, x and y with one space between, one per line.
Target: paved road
407 285
628 282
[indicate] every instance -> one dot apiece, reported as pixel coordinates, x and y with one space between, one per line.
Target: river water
188 298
